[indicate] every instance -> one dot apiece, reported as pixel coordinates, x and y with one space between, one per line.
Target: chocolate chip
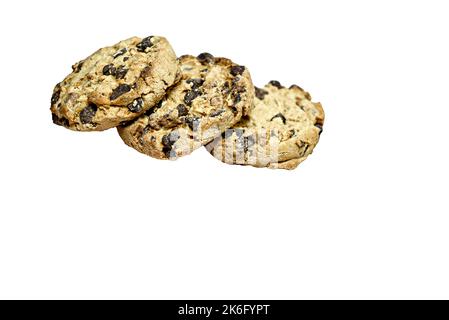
77 67
227 133
121 89
125 123
237 98
226 88
59 121
217 113
145 44
192 122
294 86
144 132
150 111
167 151
190 96
120 73
196 83
165 141
319 126
55 95
109 70
205 57
235 80
136 105
125 59
237 70
182 110
276 84
239 89
88 113
260 93
170 139
279 115
119 53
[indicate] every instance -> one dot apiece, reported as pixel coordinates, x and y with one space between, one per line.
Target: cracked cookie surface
213 94
115 84
280 132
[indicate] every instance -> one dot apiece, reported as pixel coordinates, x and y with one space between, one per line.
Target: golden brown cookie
115 84
213 94
280 132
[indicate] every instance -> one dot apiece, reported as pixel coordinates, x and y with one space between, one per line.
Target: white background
366 216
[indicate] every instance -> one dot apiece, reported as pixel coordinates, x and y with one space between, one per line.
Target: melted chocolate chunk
190 96
205 58
125 123
145 44
55 95
150 111
235 80
167 151
77 67
119 53
88 113
319 126
237 98
192 122
120 72
227 133
260 93
168 141
59 121
196 83
279 115
276 84
217 113
240 89
136 105
237 70
182 110
109 70
226 87
120 90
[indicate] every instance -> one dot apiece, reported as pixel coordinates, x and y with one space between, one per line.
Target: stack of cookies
167 107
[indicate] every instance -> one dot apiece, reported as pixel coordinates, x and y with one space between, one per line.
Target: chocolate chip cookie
115 84
280 132
213 94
